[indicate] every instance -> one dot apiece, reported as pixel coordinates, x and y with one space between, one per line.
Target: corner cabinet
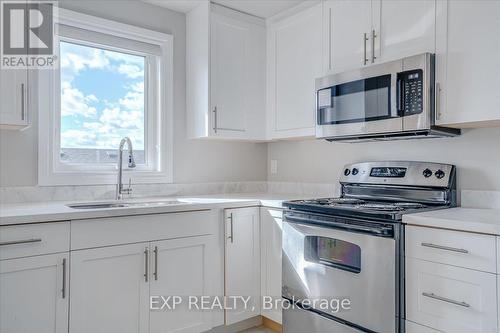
467 69
225 68
365 32
294 45
13 98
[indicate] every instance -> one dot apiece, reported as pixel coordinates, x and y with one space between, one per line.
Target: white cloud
131 71
74 102
88 57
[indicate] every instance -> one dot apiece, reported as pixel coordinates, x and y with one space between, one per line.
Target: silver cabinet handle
215 119
444 299
446 248
330 38
365 39
146 265
231 235
23 107
374 35
24 241
156 263
63 290
438 101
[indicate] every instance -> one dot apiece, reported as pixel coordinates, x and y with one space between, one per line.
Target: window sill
104 178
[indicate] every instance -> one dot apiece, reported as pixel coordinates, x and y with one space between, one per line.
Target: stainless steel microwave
393 100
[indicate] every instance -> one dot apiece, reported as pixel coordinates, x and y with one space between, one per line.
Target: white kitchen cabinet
271 235
348 25
467 68
181 267
242 262
13 98
226 75
294 62
365 32
404 28
449 298
110 289
34 294
416 328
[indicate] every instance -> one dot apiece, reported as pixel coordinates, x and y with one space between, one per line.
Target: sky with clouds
102 97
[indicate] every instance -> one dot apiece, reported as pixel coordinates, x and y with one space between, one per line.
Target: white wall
476 154
194 160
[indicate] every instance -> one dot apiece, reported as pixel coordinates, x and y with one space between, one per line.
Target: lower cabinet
416 328
111 286
110 289
34 294
271 221
449 298
242 262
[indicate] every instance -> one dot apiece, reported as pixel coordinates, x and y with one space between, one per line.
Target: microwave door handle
400 97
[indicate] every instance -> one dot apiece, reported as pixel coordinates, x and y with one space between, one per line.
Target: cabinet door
110 290
237 75
242 262
271 225
13 97
449 298
33 294
182 267
347 22
403 28
295 61
467 70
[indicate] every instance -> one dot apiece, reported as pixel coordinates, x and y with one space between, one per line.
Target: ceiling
261 8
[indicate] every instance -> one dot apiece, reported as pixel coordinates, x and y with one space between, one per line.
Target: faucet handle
128 190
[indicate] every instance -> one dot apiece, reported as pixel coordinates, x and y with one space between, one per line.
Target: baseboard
272 325
238 327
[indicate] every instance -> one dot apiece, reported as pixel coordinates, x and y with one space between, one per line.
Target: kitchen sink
122 204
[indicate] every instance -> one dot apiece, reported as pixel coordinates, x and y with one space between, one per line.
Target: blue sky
102 97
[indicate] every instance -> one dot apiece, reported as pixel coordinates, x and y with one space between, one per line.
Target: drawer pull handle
24 241
446 248
447 300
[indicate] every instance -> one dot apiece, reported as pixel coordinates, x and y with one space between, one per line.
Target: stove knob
439 174
355 171
347 172
427 173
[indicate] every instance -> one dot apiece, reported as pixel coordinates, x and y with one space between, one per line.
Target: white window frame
158 109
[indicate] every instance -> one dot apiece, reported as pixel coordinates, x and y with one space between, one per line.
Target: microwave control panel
412 94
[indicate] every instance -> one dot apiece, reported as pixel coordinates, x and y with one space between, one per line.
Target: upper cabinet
294 53
13 98
467 70
226 64
364 32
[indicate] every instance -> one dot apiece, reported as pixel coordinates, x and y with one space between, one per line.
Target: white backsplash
480 199
107 192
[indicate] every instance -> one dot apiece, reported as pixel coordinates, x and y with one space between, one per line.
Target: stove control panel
399 173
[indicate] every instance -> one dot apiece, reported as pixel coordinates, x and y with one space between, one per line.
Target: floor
261 329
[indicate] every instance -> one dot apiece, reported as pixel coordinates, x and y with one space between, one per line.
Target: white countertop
58 211
478 220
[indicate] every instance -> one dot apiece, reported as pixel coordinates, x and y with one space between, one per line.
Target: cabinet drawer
141 228
33 239
450 299
463 249
416 328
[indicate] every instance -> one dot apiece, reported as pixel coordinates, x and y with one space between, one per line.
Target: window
113 81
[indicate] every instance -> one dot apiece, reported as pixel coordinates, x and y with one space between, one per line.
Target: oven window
333 252
357 101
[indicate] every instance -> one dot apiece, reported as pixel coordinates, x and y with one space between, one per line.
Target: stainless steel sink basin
118 204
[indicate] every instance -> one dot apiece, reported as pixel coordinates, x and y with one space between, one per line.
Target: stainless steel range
351 248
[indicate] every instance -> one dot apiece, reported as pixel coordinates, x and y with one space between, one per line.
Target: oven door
325 262
359 102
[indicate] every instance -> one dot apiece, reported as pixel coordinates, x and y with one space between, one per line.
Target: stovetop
383 210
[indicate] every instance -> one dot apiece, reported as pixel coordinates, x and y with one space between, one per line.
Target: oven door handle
336 225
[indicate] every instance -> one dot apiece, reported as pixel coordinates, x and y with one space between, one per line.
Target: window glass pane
102 101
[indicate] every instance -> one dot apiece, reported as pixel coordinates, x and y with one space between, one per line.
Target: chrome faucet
131 164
